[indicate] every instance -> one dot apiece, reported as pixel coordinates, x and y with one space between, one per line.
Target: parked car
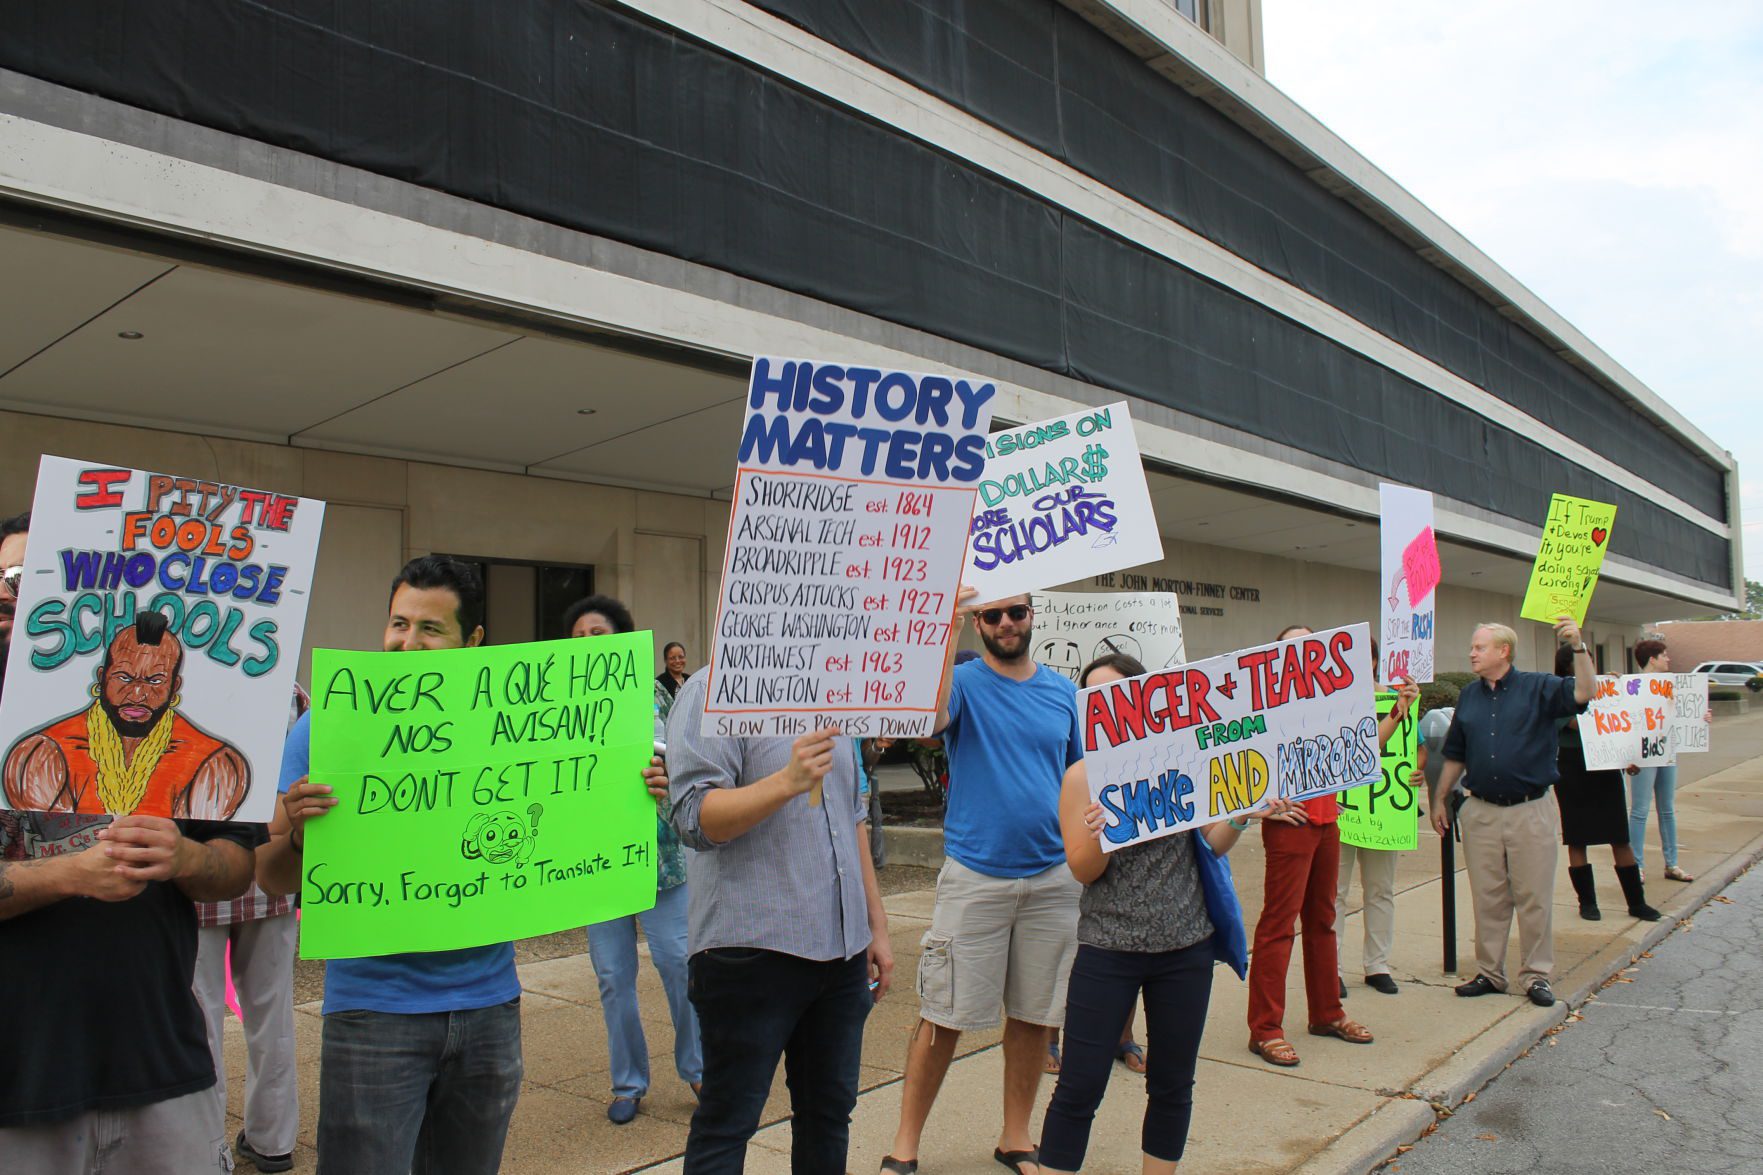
1730 672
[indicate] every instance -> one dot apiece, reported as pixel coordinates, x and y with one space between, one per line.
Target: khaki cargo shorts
998 942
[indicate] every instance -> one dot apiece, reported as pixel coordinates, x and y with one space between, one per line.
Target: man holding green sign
464 783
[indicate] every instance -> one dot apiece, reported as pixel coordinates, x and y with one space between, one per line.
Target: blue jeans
1642 787
753 1007
613 948
425 1093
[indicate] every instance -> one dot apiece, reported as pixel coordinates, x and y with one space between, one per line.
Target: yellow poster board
1575 537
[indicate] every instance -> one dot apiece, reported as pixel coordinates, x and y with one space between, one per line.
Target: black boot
1581 876
1636 893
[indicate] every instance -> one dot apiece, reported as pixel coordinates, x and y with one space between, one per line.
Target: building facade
486 278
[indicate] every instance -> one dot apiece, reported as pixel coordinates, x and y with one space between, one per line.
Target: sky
1608 155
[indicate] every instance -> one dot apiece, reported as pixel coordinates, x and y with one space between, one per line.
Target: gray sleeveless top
1148 899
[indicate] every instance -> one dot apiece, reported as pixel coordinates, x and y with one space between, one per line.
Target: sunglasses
1016 612
12 577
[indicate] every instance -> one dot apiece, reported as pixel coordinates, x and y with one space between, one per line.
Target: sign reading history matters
153 655
484 794
1060 500
852 498
1411 574
1074 628
1575 536
1183 747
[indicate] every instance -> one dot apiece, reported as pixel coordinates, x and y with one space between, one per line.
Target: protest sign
1629 722
1689 725
483 794
845 547
158 633
1575 536
1183 747
1384 815
1061 500
1410 576
1074 628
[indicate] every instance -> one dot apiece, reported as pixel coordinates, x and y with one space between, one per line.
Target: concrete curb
922 847
1399 1122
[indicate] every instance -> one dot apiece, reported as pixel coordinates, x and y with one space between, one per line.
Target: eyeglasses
1016 612
12 577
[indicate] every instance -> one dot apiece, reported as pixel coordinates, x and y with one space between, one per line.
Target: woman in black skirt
1594 811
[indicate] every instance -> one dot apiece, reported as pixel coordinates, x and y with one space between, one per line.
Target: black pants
1177 986
753 1007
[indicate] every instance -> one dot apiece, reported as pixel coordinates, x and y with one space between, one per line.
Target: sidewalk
1343 1109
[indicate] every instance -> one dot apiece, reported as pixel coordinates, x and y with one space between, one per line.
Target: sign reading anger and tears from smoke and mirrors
851 503
1060 500
159 628
1180 748
483 794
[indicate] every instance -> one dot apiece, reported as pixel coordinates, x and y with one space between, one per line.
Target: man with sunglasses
1004 930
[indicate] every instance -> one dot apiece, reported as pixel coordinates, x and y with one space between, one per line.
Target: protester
1593 812
1303 848
1003 931
789 939
107 1063
1377 870
1504 737
1128 947
259 934
612 945
673 673
1647 786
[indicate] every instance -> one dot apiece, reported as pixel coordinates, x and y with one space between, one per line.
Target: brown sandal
1277 1051
1345 1030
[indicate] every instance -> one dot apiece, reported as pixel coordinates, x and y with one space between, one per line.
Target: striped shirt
793 883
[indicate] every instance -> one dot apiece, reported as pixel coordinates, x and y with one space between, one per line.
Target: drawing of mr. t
130 750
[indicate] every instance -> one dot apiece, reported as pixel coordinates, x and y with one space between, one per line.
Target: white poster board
1074 628
852 496
1630 721
1410 580
1060 501
1689 726
1184 747
158 632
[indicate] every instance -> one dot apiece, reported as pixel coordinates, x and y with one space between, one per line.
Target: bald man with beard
130 750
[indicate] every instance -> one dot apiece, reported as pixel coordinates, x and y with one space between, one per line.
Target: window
524 601
1194 10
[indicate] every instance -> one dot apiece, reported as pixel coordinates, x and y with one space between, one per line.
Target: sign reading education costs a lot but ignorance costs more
484 794
1184 747
845 548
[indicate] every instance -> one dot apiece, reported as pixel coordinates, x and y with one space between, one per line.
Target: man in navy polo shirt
1505 737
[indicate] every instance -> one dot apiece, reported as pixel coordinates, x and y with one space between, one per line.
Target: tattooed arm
31 885
150 848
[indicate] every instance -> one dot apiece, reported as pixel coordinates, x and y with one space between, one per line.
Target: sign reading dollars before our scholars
1060 500
1074 628
1183 747
156 640
1575 536
484 794
1645 720
1410 576
845 547
1384 815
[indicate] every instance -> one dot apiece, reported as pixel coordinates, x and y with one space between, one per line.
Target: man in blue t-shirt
1004 930
421 1061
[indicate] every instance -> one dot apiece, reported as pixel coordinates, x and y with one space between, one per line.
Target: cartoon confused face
501 838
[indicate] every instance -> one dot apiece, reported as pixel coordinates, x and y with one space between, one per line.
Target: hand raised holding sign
811 757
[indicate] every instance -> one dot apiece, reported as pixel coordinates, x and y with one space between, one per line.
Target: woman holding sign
1154 917
1648 785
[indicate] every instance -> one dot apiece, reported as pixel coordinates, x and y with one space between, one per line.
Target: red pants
1302 863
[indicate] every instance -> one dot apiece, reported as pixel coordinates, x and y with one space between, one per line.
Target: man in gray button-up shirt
788 937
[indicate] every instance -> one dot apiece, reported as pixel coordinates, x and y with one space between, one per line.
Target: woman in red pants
1303 861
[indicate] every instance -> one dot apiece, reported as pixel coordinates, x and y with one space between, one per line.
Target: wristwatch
1580 648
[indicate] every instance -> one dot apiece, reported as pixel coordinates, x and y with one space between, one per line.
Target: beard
132 729
1012 648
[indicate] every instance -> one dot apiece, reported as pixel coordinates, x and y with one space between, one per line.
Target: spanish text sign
1184 747
852 496
1575 536
1411 576
1061 500
1074 628
1384 815
484 794
158 631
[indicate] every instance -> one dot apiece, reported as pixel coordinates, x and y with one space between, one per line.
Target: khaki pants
263 970
1377 885
183 1136
1510 854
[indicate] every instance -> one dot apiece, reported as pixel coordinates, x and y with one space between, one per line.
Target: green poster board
1383 815
484 794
